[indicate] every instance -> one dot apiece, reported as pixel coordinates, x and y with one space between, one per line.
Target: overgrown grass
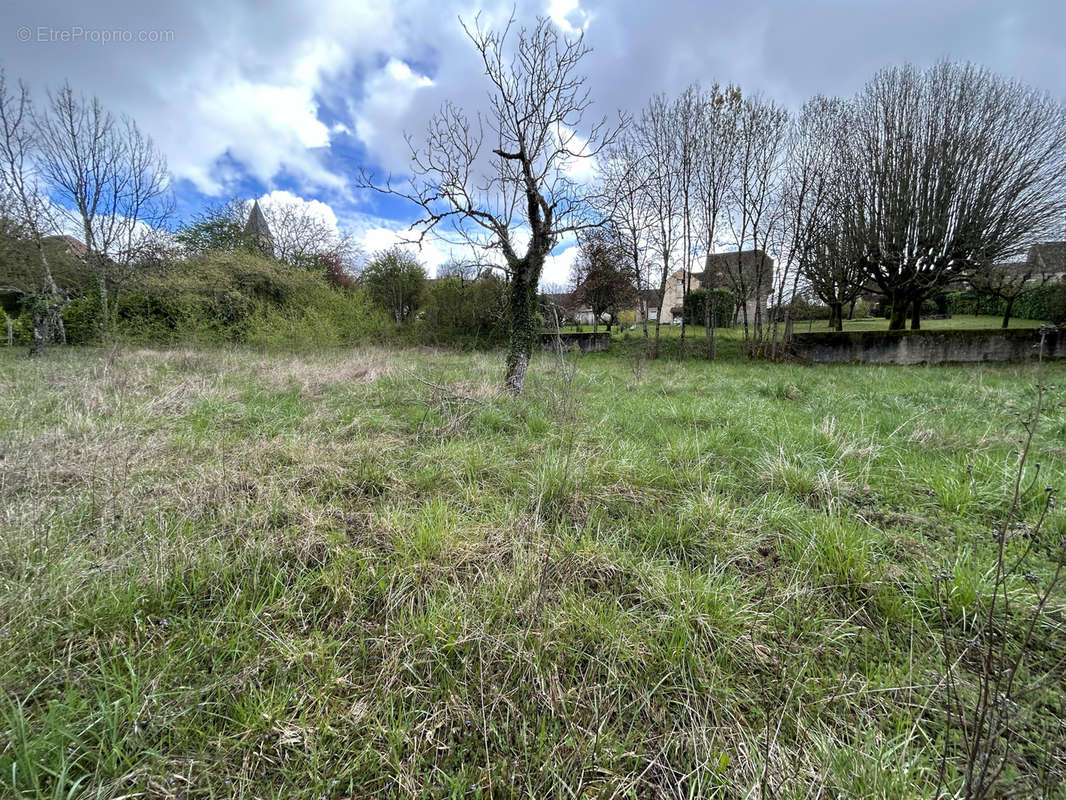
371 574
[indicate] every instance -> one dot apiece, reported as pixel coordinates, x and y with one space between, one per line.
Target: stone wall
926 347
588 342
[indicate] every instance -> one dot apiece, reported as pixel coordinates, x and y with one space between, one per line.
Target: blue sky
248 99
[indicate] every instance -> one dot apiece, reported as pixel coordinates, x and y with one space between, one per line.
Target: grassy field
370 574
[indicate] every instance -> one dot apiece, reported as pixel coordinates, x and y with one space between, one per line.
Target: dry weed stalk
986 714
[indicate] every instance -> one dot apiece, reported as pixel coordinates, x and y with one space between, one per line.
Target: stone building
258 230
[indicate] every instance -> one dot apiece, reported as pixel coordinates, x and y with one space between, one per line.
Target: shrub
1057 306
242 297
1041 303
395 280
801 309
458 310
81 318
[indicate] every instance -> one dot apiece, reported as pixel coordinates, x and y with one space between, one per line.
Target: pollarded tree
833 269
513 195
954 167
816 245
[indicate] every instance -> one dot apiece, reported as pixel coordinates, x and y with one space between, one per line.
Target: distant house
571 310
749 275
21 273
1045 261
647 305
1049 259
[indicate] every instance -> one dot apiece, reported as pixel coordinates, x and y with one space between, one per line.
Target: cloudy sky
290 100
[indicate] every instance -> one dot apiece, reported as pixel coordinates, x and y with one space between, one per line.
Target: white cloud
317 209
264 127
557 267
389 94
567 14
375 234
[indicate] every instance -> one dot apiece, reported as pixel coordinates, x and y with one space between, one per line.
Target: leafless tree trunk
624 179
717 170
687 128
662 192
763 128
538 100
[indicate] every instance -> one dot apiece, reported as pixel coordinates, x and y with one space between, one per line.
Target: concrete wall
588 342
926 347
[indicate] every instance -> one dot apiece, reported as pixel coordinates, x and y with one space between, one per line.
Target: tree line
923 178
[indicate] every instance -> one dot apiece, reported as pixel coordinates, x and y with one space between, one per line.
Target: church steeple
258 231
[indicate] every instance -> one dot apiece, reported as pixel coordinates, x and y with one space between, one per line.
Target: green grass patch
225 573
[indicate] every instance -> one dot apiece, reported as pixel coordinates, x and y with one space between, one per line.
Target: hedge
231 297
724 305
1045 303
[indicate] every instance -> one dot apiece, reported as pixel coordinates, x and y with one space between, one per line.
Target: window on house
653 313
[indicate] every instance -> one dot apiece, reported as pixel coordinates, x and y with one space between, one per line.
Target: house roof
1013 266
74 247
1049 256
20 265
735 269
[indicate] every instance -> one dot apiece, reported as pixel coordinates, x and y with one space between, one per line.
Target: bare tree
955 167
26 206
300 236
601 275
623 176
538 101
716 172
688 128
115 180
761 152
815 245
662 193
833 269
